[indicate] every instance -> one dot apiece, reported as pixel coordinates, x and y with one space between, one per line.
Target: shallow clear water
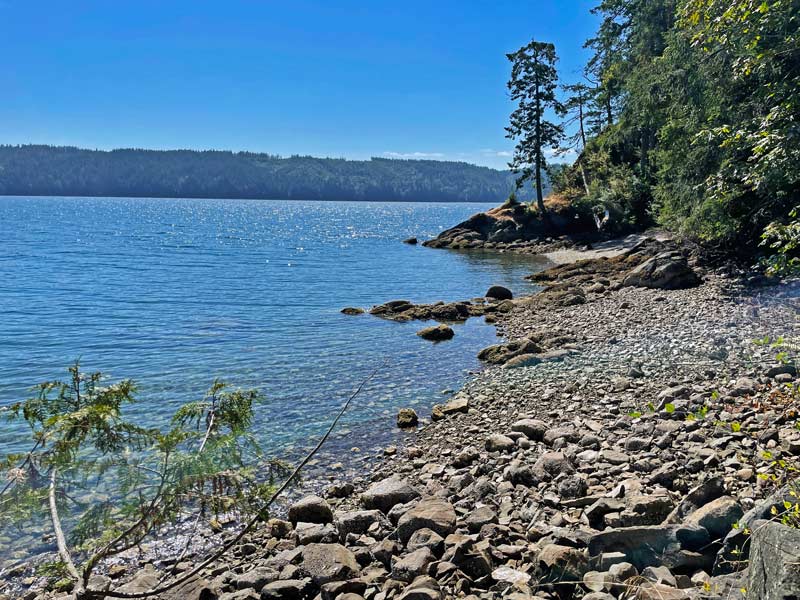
173 293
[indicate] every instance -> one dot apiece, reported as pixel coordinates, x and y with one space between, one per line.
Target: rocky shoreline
630 443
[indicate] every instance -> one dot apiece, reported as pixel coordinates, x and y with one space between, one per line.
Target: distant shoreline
36 170
104 196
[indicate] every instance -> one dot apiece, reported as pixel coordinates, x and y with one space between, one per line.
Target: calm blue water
173 293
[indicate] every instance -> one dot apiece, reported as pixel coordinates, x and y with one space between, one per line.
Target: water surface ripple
173 293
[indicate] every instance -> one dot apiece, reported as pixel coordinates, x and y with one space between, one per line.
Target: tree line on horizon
40 170
686 115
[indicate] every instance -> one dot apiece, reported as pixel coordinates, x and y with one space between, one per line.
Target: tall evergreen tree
533 85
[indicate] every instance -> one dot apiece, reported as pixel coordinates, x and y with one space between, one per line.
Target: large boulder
667 271
286 589
311 509
433 513
551 465
532 428
736 545
387 493
774 566
563 563
650 545
329 562
502 353
718 516
498 292
360 521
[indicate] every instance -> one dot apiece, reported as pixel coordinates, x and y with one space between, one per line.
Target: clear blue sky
338 78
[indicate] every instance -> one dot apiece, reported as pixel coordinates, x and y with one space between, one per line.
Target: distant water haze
173 293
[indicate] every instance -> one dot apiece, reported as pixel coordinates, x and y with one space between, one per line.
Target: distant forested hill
65 171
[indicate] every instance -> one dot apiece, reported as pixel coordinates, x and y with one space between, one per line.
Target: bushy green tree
701 101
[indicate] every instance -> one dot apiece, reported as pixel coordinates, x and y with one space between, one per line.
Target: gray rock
255 578
557 433
407 417
360 521
623 571
329 562
499 443
647 545
311 509
459 404
774 568
718 516
432 513
736 545
387 493
426 538
310 533
667 271
709 490
479 517
532 428
412 565
550 465
573 486
660 575
286 589
420 592
562 563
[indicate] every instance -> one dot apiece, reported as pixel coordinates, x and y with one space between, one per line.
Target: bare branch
61 541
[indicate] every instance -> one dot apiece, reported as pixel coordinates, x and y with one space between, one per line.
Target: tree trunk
538 166
580 120
583 176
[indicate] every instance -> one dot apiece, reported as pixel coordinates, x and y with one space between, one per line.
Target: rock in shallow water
437 333
407 417
499 292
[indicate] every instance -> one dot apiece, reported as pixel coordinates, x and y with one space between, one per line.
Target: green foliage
784 240
60 171
692 120
117 482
